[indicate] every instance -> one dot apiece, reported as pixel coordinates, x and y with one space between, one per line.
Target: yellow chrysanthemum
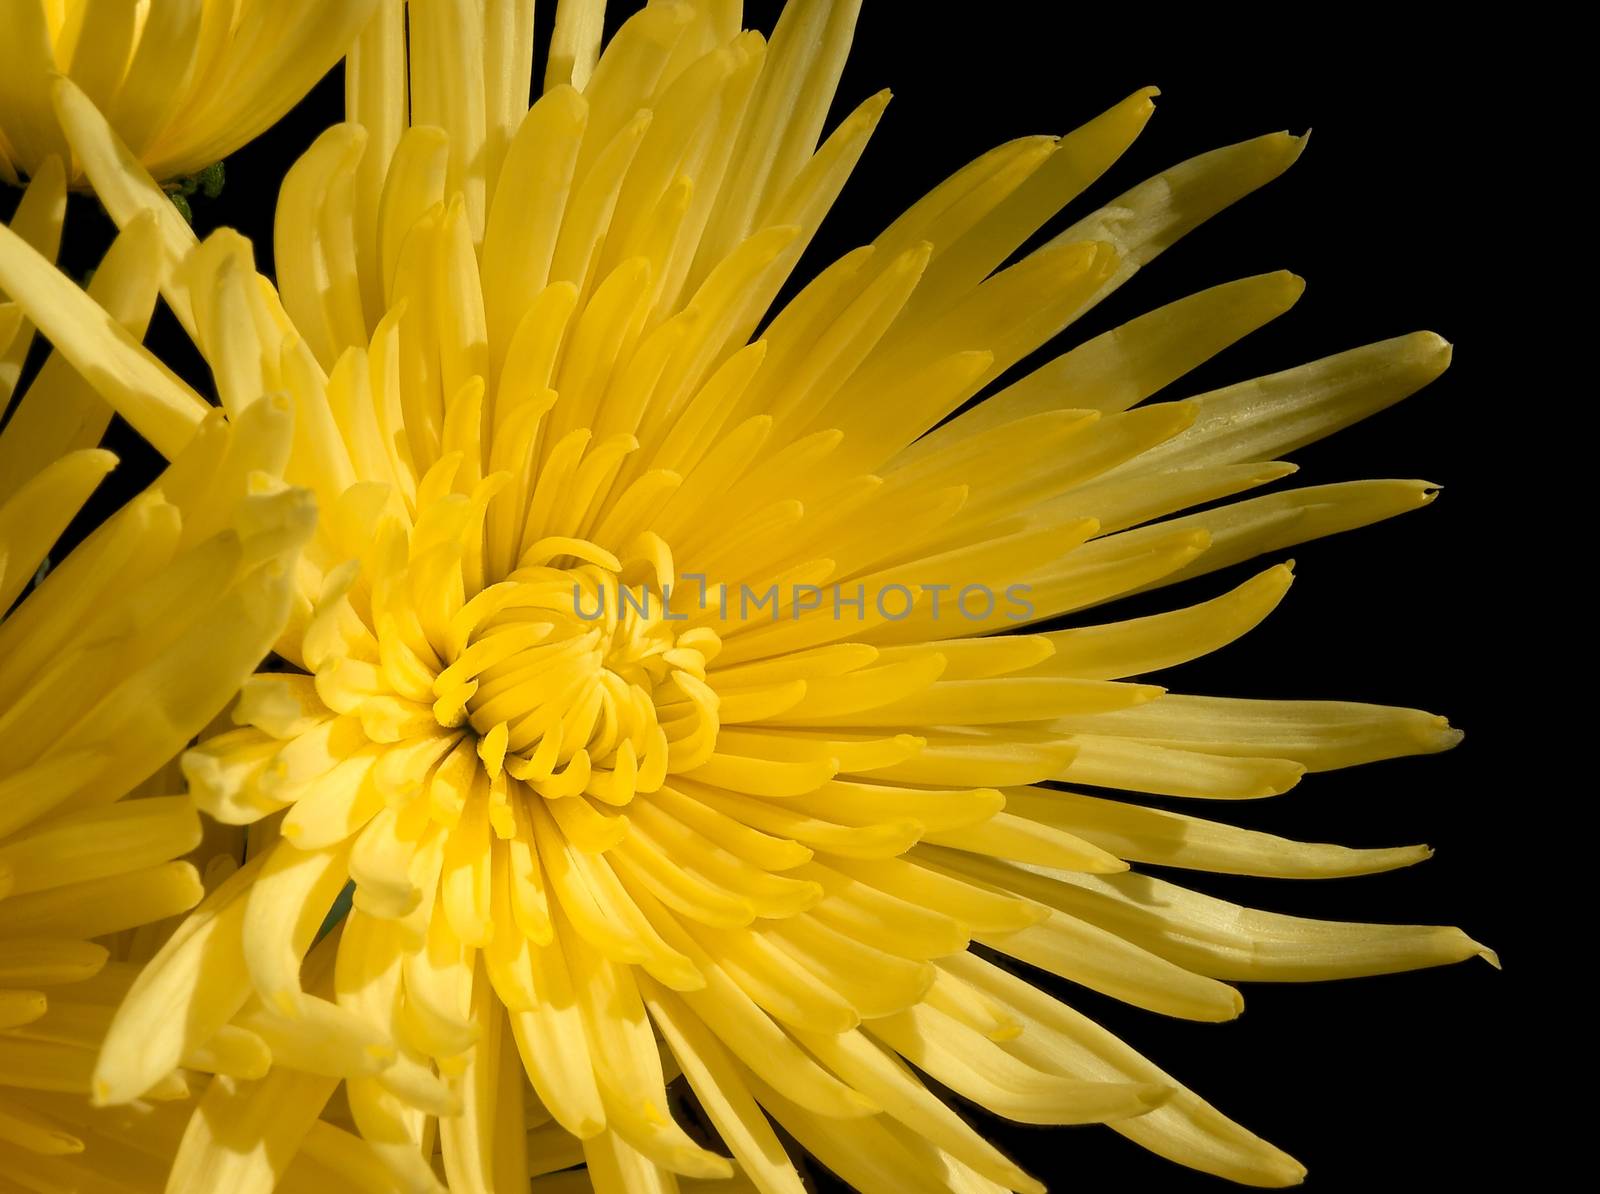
114 657
585 795
184 82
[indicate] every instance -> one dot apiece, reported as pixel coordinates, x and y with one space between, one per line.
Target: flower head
184 82
646 678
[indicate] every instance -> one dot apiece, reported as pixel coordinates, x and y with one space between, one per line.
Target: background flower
113 656
184 82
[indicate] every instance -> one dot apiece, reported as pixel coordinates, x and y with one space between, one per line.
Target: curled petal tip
1290 283
1292 776
1437 347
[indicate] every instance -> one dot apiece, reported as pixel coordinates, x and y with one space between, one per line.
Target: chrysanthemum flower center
573 679
571 675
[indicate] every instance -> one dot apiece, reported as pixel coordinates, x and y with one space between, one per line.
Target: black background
1380 1083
